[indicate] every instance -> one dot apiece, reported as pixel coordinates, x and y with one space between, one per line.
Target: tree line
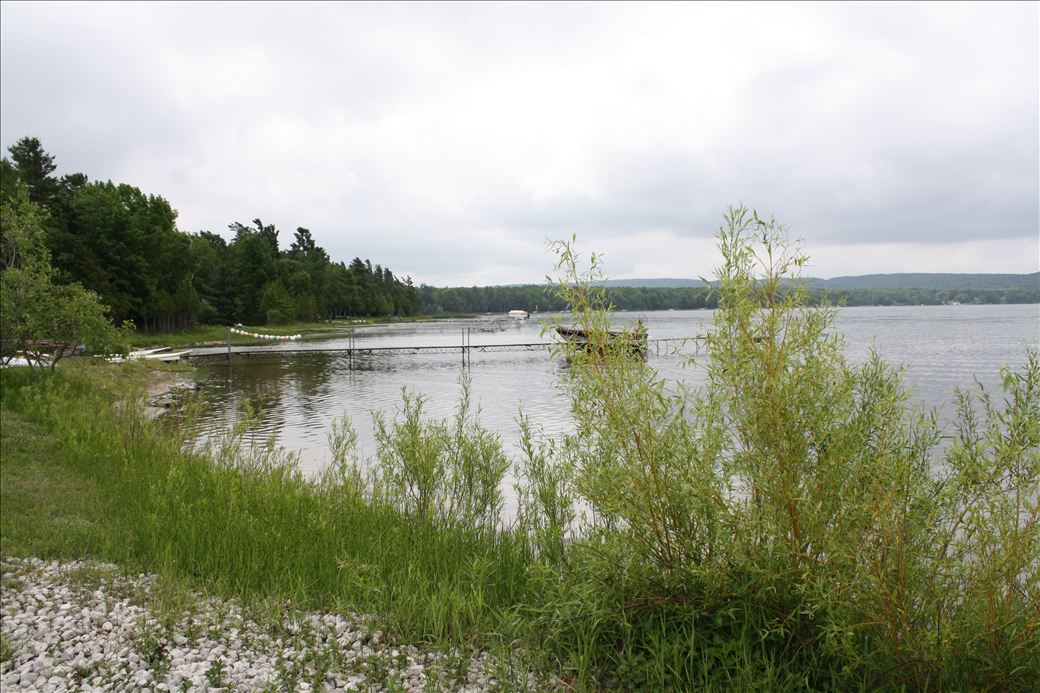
124 245
500 299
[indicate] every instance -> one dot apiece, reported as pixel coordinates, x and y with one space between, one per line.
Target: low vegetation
792 524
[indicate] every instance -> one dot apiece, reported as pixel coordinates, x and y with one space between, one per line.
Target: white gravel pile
86 626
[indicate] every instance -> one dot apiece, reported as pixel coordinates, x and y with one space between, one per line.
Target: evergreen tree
35 167
124 245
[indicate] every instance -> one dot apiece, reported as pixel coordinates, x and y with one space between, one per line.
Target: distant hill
931 281
910 280
665 283
692 294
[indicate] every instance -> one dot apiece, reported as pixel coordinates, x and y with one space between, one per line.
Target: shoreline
164 390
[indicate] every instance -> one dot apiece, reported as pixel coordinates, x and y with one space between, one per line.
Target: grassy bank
215 335
791 525
86 474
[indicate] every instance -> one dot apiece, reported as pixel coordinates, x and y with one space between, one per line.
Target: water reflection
301 394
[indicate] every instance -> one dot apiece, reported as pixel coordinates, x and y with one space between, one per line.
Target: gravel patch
88 626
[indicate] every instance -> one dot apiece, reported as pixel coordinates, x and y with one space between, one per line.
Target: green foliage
343 471
501 299
49 510
24 245
34 167
233 514
39 319
446 473
794 520
545 498
123 245
250 280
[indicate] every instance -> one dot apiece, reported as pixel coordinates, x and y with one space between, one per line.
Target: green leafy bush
794 519
449 472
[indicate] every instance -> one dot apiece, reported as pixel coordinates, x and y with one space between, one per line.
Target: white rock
56 629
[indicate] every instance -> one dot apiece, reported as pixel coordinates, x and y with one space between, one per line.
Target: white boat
518 314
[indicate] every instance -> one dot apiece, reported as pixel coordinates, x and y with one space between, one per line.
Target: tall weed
446 472
546 510
237 518
795 516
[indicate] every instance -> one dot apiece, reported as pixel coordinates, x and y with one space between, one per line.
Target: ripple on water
300 395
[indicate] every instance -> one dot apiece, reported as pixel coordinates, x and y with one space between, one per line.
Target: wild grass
790 525
243 521
212 335
46 509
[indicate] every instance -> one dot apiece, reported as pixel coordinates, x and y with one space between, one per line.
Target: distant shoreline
538 298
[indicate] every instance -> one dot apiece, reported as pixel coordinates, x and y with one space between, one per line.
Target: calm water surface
300 395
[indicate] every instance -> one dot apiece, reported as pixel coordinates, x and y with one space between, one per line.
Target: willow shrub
446 472
794 521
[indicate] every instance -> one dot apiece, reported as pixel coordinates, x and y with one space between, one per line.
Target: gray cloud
448 141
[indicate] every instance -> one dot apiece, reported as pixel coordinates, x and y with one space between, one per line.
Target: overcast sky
448 142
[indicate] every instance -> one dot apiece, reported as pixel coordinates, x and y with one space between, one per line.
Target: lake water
300 395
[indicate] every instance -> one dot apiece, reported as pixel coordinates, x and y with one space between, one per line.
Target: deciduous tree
38 318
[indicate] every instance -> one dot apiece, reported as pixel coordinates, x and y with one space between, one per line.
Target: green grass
213 335
85 475
94 478
50 510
